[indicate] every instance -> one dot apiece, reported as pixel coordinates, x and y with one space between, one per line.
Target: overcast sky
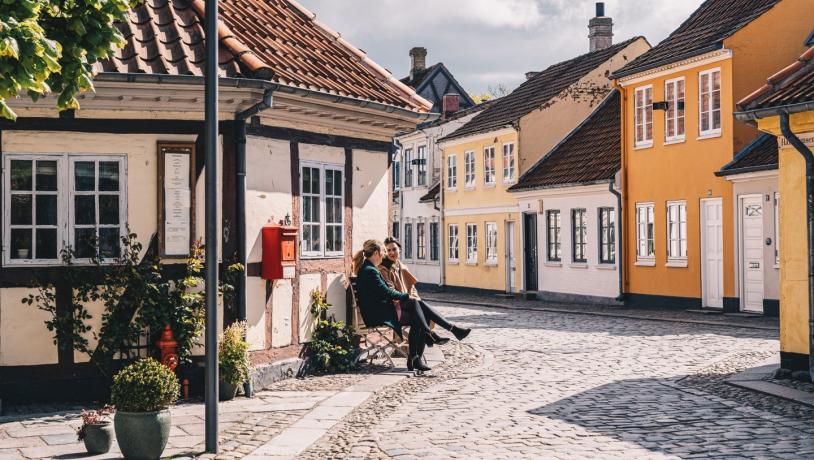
488 42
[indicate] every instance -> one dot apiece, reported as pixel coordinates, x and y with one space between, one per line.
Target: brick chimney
451 104
418 60
600 29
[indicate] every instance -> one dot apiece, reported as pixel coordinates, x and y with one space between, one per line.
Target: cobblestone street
554 385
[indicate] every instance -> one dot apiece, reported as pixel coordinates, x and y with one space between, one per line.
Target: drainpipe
620 251
809 158
240 205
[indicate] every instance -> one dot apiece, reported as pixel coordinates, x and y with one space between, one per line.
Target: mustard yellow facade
794 321
485 206
679 227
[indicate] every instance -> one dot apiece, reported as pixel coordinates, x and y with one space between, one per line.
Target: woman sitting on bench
376 299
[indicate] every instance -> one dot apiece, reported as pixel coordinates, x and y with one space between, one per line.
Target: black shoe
435 339
460 333
418 365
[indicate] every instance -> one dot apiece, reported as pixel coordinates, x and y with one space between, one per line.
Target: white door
511 263
712 253
751 240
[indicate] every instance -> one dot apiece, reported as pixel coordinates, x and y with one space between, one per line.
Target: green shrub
144 386
332 347
233 354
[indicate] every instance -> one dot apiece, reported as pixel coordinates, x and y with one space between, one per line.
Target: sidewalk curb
754 379
595 313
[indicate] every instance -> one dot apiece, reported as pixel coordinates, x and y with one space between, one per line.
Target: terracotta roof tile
792 85
537 91
277 40
761 154
702 32
591 153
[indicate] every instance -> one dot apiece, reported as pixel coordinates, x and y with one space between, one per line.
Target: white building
570 207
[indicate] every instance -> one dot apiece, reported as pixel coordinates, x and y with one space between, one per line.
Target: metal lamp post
211 218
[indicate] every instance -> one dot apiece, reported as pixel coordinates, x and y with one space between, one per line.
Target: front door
511 263
530 254
751 240
712 253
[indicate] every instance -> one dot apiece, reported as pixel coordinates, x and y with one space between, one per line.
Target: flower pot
226 391
142 435
98 438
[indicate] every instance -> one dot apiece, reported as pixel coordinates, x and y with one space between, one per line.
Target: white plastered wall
308 282
370 197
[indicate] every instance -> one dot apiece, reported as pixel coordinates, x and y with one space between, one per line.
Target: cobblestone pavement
556 385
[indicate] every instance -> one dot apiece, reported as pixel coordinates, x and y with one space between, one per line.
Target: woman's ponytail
358 260
368 249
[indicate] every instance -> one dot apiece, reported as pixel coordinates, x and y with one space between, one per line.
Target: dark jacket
375 298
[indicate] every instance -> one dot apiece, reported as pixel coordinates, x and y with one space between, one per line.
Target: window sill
645 263
510 182
643 146
332 257
676 264
469 188
610 267
553 264
710 135
453 189
489 185
579 265
471 264
452 262
679 140
490 264
777 267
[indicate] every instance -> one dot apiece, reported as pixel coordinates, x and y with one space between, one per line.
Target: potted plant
142 393
233 353
96 430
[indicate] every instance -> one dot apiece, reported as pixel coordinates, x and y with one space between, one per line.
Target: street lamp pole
211 217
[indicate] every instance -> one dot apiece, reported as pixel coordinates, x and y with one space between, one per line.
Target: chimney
452 103
600 29
418 60
531 74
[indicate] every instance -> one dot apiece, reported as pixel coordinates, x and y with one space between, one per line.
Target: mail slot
754 264
279 252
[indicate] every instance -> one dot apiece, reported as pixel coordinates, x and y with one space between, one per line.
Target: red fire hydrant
169 349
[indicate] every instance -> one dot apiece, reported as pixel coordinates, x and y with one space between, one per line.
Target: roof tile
759 155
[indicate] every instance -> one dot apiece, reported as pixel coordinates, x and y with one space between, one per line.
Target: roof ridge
406 91
569 136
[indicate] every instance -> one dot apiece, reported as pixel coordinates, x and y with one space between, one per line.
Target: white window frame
510 169
643 116
491 243
645 237
323 253
397 173
678 116
471 244
408 168
434 241
579 241
489 170
553 242
452 172
712 131
420 241
421 169
469 169
680 226
65 201
408 241
453 248
607 235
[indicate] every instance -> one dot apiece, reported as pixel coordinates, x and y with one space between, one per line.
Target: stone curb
754 379
595 313
301 435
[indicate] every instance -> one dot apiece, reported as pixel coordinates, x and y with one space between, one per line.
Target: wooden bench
377 340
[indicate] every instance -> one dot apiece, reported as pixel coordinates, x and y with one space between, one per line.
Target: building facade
678 130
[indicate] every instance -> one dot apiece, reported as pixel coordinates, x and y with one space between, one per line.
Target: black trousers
415 313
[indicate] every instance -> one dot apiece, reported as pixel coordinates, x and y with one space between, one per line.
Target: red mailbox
279 252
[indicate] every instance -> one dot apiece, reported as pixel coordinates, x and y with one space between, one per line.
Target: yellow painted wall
480 275
793 238
763 47
479 195
682 171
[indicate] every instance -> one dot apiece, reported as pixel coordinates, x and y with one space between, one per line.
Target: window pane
84 242
46 243
337 183
47 176
46 209
315 188
306 180
21 175
108 209
338 210
21 243
109 246
306 237
21 210
315 237
109 176
85 210
84 176
329 182
329 238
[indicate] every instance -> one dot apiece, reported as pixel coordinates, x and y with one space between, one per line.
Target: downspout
240 206
809 158
620 251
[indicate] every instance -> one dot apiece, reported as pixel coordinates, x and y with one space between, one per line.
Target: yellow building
680 228
785 107
482 159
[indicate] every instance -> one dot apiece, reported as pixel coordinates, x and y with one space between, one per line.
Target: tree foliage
51 45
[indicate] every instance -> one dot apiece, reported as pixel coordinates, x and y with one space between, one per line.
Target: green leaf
6 112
